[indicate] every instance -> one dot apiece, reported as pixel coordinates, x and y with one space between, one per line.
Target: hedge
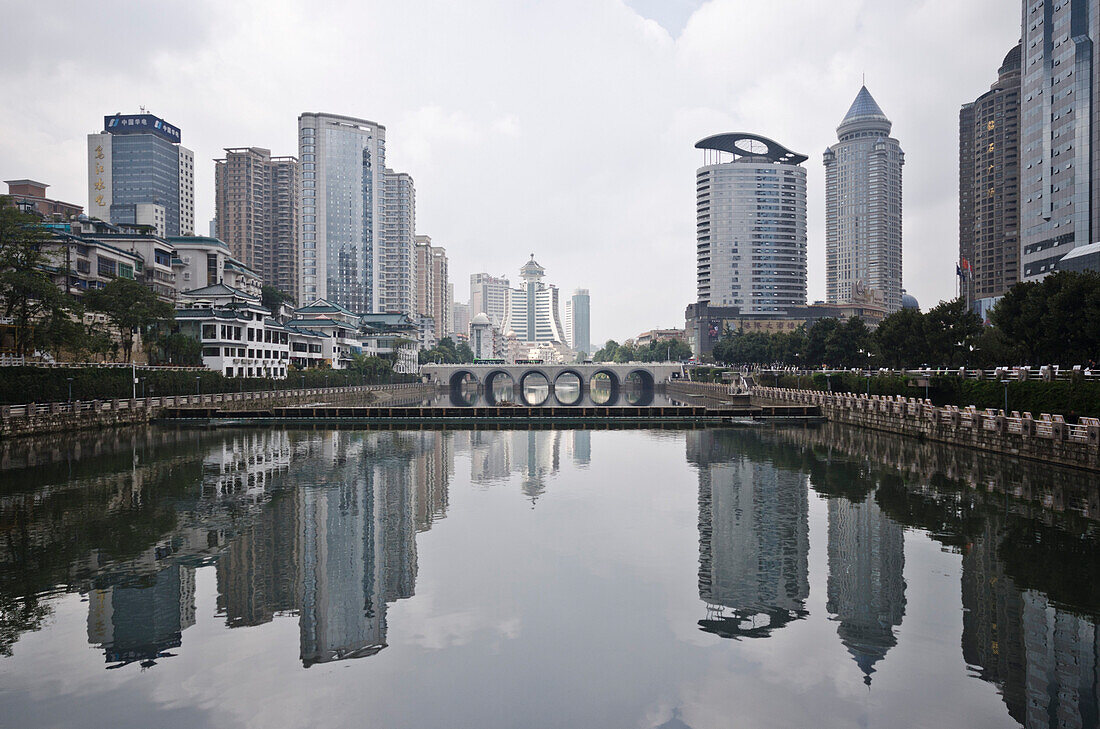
51 384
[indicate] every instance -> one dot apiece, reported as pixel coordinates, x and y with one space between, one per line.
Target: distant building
1081 259
532 312
343 162
1059 133
155 253
28 193
239 337
461 318
657 335
256 199
433 289
705 324
397 280
863 208
751 224
578 330
139 173
489 295
989 184
483 338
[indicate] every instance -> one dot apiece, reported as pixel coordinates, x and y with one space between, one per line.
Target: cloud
563 128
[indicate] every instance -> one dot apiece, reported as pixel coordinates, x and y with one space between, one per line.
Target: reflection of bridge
573 377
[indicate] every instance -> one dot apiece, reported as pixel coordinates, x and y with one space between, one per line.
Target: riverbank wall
57 417
1047 438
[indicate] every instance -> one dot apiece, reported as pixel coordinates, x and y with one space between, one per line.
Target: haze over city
563 129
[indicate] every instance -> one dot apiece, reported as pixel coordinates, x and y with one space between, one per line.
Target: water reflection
753 539
321 532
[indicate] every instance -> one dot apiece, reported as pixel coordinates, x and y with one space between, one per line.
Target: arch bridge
647 376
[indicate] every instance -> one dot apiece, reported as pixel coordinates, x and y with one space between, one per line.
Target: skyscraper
139 173
751 224
577 330
397 258
989 184
1059 136
425 303
343 162
433 289
863 208
489 296
532 311
256 203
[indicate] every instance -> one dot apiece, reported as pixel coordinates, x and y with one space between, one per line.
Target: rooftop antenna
142 109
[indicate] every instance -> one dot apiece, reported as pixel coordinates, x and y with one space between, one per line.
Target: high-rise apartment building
460 318
441 293
751 224
532 312
256 203
489 296
863 208
578 333
989 184
139 173
425 303
1059 132
396 255
343 162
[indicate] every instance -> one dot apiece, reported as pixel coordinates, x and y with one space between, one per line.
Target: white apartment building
238 336
751 224
202 262
489 296
532 310
397 292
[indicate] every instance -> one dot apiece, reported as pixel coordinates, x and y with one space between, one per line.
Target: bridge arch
581 384
646 386
490 385
613 379
457 380
523 378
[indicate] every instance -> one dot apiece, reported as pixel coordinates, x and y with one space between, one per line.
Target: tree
465 354
132 307
950 329
847 344
371 370
27 294
900 339
816 340
607 352
272 298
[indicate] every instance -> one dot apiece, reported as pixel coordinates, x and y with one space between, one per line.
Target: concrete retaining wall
1047 438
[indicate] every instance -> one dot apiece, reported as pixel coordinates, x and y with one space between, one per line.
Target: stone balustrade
1047 438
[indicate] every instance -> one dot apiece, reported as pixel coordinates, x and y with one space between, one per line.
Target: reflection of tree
19 615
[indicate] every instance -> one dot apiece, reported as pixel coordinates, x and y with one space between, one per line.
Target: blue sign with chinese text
141 124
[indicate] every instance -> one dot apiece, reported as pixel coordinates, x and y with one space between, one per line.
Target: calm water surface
822 577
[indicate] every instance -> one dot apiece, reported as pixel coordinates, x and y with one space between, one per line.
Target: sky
565 129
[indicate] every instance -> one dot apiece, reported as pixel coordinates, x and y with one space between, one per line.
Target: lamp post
70 388
198 379
1005 383
303 382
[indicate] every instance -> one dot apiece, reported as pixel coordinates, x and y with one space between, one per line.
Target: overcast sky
563 129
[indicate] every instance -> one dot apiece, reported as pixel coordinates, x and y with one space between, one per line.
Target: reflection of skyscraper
1044 660
753 540
536 454
140 622
866 587
582 447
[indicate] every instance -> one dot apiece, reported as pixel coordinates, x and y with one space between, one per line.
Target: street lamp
70 388
198 379
1005 383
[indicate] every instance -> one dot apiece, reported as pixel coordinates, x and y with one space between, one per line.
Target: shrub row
39 384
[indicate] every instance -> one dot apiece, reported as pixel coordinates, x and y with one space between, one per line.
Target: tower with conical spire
863 208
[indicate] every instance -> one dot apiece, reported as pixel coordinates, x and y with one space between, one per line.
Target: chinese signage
140 124
99 176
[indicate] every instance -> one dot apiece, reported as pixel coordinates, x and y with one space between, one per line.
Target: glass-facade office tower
256 199
578 333
397 258
138 173
863 208
751 224
989 184
1059 132
343 162
532 312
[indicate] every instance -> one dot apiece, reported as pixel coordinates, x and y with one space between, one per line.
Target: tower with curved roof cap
863 208
751 224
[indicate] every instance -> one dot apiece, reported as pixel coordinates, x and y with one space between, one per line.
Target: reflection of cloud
433 628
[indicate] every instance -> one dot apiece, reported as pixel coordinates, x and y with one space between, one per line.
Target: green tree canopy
132 307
